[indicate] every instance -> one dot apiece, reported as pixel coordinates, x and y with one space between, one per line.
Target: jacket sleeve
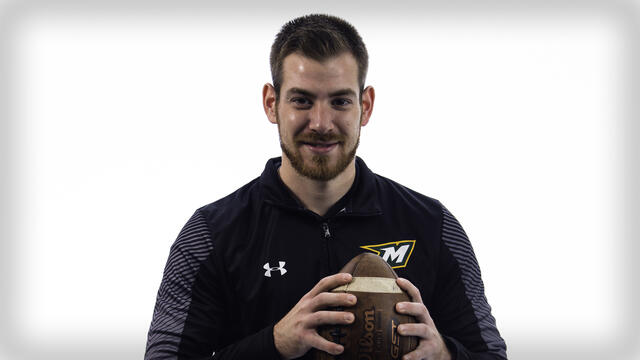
459 307
190 318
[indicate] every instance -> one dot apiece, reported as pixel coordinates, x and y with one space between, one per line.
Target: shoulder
231 208
395 195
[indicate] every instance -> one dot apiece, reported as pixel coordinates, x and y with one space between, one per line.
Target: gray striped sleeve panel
456 240
190 249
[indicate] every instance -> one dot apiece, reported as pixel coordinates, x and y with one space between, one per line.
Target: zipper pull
325 227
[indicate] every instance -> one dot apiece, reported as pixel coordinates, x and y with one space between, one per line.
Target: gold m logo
396 253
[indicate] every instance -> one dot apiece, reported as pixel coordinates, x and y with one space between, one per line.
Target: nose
321 118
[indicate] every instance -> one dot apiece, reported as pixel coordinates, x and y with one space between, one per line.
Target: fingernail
400 306
352 298
348 317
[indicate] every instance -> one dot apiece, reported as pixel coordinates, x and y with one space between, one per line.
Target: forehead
338 72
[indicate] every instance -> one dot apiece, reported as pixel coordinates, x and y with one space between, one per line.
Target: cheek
354 129
290 125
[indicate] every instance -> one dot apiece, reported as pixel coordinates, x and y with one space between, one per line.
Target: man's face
319 114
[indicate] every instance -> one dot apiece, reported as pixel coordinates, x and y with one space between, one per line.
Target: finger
419 310
425 350
419 329
330 282
326 299
413 291
329 317
417 354
323 344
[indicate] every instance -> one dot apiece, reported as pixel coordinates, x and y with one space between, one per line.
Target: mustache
314 137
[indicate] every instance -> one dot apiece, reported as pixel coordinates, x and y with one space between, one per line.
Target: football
373 334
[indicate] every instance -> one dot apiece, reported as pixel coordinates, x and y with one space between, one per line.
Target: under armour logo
270 269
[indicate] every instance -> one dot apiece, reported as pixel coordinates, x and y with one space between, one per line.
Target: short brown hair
319 37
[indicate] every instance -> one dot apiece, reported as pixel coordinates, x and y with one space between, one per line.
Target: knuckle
304 306
331 298
307 321
420 330
323 282
322 344
341 299
424 329
334 299
327 317
321 298
427 347
306 338
299 326
299 337
408 307
340 317
329 279
316 318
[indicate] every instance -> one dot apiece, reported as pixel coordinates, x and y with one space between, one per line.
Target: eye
341 102
300 101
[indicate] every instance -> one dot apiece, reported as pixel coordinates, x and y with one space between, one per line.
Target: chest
279 256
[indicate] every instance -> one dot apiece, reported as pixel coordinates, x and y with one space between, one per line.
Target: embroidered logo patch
396 253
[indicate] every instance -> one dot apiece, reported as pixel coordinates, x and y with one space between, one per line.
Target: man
249 275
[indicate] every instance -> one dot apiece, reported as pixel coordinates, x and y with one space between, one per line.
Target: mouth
320 147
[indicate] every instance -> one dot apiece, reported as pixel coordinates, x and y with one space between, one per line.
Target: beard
318 168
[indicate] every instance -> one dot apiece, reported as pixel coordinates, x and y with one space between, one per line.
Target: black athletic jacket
241 263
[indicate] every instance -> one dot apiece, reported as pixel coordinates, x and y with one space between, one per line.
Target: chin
320 167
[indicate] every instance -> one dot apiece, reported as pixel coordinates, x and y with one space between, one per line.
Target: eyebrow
341 92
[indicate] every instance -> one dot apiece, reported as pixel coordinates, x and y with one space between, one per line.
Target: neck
317 196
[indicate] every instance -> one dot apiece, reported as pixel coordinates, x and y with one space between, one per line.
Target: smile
320 148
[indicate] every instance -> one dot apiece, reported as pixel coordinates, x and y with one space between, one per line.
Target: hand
431 345
296 332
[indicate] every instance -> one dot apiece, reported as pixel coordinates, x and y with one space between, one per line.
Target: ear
269 102
368 97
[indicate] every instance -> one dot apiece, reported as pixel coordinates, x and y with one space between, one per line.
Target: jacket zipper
327 238
327 234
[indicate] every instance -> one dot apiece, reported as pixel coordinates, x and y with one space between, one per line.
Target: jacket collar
360 200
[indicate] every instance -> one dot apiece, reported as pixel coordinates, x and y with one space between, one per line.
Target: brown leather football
373 334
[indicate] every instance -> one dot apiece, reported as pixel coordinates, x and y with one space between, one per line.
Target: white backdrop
119 121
